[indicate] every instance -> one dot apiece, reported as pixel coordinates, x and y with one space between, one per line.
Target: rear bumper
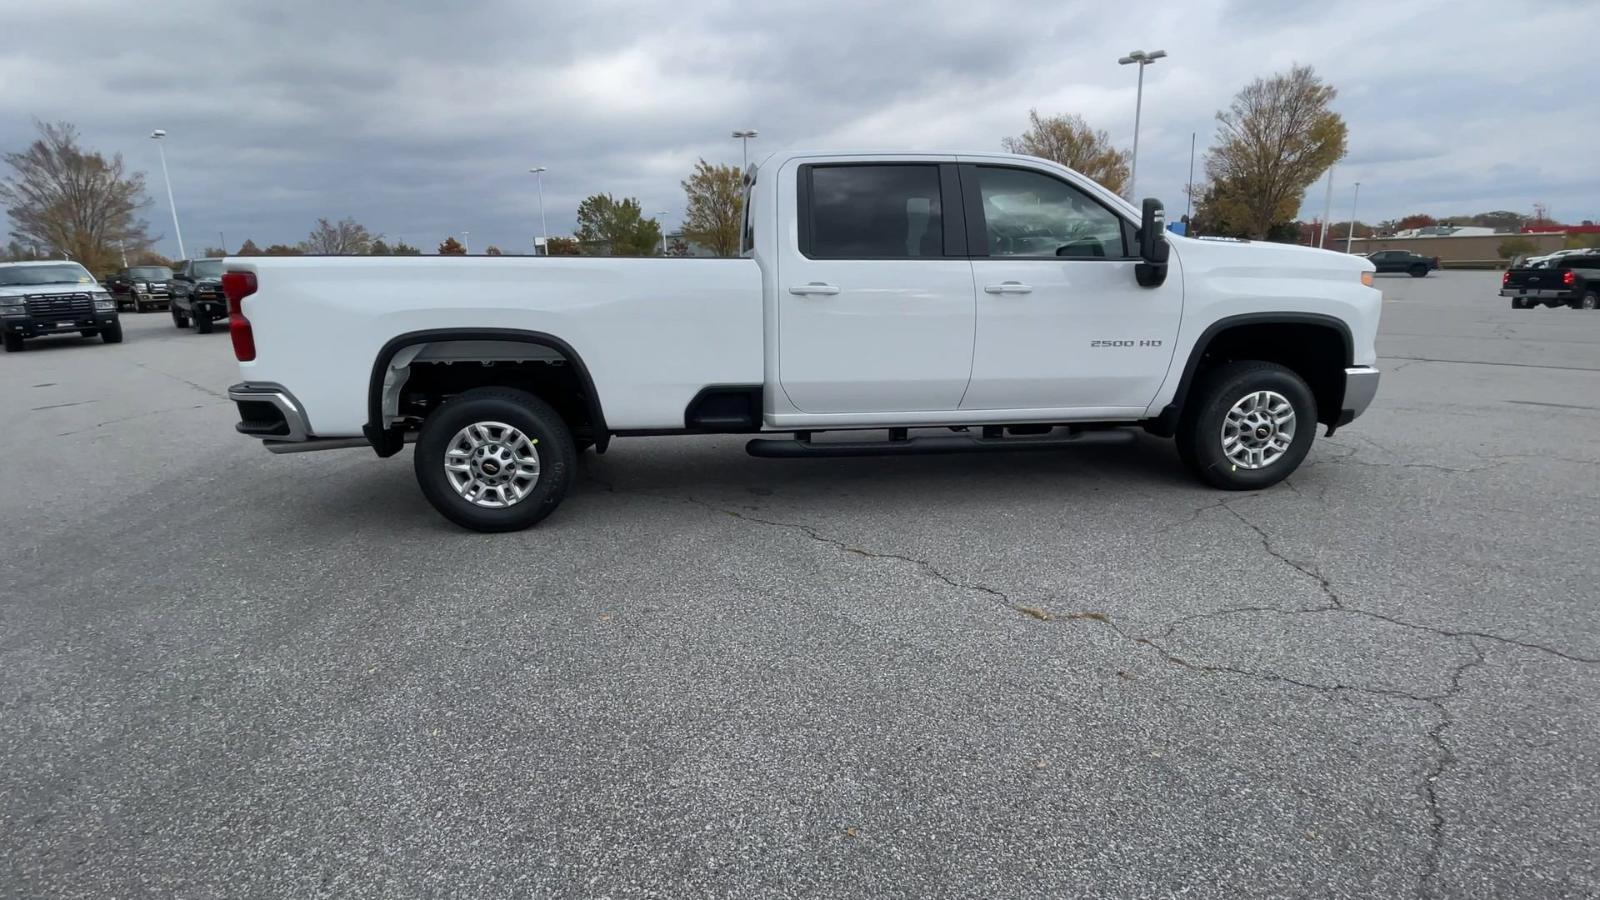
269 412
1564 296
1360 386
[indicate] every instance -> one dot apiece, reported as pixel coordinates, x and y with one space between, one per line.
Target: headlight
140 286
13 306
105 305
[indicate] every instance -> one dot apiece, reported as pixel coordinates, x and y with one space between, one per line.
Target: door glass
875 212
1033 214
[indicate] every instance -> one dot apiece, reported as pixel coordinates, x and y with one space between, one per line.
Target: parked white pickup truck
1002 301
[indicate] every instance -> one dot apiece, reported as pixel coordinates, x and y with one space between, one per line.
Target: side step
803 447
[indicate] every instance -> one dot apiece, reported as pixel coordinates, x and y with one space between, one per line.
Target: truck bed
320 323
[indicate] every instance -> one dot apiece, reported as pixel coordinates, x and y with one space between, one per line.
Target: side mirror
1153 248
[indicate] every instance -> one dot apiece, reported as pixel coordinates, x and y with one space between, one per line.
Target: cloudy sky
421 119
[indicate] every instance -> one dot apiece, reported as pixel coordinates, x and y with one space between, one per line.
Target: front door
876 300
1062 321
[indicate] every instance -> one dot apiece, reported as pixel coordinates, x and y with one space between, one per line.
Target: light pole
1349 235
1143 59
466 242
1188 203
744 135
544 232
156 136
661 215
1327 210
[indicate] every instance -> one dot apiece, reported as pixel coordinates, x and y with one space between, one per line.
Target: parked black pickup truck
54 297
1414 264
1565 281
197 294
141 287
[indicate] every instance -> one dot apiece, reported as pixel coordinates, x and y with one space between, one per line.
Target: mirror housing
1153 247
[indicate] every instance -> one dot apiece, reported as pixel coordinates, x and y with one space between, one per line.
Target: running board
918 446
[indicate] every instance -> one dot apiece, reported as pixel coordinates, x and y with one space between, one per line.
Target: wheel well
1316 350
415 374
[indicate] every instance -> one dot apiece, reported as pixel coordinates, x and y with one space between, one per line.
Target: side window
873 212
1033 214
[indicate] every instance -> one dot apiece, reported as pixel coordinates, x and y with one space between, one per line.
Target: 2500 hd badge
1124 343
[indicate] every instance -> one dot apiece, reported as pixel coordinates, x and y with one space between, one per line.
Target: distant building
1445 231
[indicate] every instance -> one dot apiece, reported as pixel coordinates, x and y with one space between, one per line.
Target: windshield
157 272
208 268
60 273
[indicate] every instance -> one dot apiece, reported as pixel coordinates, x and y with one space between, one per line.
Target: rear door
1062 320
876 301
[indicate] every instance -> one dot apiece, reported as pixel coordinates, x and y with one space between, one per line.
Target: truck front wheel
1247 425
495 459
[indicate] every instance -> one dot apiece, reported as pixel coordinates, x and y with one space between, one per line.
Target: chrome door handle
815 287
1008 287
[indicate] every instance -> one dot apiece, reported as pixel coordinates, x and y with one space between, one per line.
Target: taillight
236 286
1505 277
1568 277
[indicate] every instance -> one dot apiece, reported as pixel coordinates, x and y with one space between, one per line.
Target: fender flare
1165 423
387 441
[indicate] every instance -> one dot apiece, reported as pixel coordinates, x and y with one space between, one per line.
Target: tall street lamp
466 242
156 136
744 135
661 215
1351 233
544 232
1143 59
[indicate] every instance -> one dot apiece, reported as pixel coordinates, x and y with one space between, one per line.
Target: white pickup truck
955 302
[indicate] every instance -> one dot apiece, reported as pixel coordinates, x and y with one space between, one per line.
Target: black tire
112 334
178 318
552 441
1516 303
88 332
1200 430
202 324
1591 300
13 343
1418 271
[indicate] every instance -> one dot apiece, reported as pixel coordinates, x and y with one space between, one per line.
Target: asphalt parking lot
226 673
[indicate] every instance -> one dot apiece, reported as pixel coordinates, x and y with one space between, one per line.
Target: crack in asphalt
1266 544
1445 759
120 419
180 379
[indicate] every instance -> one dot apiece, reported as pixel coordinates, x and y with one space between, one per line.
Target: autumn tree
213 252
1070 141
452 247
248 248
340 238
1275 140
491 250
563 246
611 227
1415 220
714 213
62 198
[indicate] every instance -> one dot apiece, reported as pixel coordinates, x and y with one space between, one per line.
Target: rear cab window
871 211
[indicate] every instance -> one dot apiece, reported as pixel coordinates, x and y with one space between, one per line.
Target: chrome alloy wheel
492 464
1258 430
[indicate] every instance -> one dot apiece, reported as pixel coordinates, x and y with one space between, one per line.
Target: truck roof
38 262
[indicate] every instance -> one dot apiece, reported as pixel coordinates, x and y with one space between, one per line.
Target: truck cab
951 302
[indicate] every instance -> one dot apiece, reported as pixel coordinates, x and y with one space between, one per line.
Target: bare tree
63 199
1070 141
715 210
1275 140
339 238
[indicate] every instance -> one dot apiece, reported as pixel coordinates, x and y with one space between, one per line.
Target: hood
23 290
1266 257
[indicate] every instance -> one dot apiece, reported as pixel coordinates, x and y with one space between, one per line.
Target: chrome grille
59 306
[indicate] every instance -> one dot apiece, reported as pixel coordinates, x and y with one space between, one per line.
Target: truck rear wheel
1247 425
1419 271
1591 300
495 459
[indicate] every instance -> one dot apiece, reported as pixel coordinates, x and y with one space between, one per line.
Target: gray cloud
421 119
